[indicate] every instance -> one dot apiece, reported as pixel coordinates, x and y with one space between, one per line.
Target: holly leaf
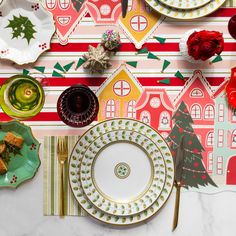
22 27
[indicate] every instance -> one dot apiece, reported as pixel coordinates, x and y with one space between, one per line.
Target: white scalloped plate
31 24
185 4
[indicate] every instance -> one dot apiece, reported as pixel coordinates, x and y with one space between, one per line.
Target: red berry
190 142
196 164
181 130
195 150
203 176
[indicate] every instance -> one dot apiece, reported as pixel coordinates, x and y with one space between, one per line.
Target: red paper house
155 108
197 95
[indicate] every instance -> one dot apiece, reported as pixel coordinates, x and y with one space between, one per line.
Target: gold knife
179 164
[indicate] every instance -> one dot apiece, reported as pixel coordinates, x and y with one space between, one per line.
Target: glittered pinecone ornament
97 59
111 40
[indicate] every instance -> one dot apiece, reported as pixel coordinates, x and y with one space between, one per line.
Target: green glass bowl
22 97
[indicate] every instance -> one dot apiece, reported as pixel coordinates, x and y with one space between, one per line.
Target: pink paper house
224 162
65 16
155 108
197 95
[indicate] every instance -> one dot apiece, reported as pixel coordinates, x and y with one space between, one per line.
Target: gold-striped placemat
51 181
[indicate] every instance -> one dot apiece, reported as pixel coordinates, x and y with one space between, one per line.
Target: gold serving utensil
62 153
179 164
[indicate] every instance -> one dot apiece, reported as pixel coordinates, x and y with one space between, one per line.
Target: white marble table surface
21 214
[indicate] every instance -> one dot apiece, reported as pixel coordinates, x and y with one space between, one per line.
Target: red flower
204 44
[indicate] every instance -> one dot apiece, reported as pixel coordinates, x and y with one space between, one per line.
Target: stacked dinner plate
121 171
185 9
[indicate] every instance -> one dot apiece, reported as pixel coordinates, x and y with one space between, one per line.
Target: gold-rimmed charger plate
75 172
185 4
185 14
123 171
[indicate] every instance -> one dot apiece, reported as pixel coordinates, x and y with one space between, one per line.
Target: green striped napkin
51 181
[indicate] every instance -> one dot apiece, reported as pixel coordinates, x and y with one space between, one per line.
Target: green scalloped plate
21 167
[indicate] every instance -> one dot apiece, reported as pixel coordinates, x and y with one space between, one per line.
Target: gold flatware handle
177 200
62 213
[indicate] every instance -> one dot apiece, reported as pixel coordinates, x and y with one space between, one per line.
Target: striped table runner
51 181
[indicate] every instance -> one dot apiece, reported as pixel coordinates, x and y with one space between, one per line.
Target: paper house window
64 4
210 139
219 167
197 93
105 9
122 88
210 162
145 117
233 139
131 112
221 112
164 121
220 142
110 109
51 3
234 115
196 112
155 102
209 112
139 23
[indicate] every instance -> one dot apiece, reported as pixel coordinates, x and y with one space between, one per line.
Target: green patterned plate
185 14
78 169
185 4
134 173
24 166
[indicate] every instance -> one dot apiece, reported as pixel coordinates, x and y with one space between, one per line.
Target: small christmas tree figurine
194 172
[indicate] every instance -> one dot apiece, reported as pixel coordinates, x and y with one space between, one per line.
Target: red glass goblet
78 106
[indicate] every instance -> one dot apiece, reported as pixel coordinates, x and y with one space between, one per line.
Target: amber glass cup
78 106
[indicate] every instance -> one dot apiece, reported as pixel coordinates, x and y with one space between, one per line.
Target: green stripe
52 174
45 183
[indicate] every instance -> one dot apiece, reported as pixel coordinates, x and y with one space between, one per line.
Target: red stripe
144 81
129 47
43 116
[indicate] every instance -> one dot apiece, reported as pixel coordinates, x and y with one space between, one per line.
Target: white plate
181 14
84 144
185 4
26 29
122 172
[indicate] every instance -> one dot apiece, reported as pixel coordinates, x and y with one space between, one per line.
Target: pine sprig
22 27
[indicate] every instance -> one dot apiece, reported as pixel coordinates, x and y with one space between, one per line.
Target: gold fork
62 153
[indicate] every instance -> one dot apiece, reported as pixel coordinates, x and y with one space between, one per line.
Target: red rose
204 44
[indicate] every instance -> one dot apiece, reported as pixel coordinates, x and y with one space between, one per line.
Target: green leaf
160 40
165 65
132 63
142 51
68 66
40 68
